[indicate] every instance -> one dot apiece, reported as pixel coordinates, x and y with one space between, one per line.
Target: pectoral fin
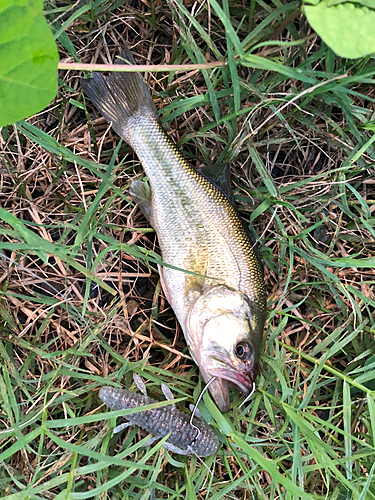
141 195
163 284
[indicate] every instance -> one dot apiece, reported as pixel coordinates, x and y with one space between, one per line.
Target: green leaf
29 58
271 467
190 493
30 237
232 35
258 62
41 247
346 27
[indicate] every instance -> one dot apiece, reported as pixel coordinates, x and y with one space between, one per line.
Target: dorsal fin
219 175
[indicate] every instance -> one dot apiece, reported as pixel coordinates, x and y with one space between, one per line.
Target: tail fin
122 98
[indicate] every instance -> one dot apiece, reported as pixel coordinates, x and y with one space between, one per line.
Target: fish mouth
226 376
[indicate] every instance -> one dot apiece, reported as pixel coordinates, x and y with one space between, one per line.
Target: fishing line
197 403
248 397
204 463
197 428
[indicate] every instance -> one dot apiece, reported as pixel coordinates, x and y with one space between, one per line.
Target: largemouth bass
221 307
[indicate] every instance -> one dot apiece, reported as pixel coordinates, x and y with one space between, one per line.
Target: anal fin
141 195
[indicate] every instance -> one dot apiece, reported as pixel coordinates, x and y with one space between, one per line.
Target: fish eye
243 350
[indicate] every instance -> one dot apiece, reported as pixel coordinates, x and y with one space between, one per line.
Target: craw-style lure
185 438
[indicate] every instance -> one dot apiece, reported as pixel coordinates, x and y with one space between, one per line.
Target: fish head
225 335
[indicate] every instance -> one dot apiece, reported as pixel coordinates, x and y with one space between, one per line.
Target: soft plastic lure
185 438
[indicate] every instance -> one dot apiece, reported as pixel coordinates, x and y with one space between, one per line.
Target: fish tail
122 98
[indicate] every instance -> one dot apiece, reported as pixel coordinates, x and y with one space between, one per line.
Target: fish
215 284
184 438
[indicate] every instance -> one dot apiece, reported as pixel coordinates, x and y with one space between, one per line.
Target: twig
132 68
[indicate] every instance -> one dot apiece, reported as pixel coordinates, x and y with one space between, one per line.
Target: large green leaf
346 27
29 58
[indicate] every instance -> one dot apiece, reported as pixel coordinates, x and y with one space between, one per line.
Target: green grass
297 124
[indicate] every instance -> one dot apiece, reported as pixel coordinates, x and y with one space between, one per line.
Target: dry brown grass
61 335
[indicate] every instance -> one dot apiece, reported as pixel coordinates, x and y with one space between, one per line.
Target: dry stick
275 35
139 67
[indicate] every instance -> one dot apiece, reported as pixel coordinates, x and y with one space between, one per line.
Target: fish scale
166 168
220 302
